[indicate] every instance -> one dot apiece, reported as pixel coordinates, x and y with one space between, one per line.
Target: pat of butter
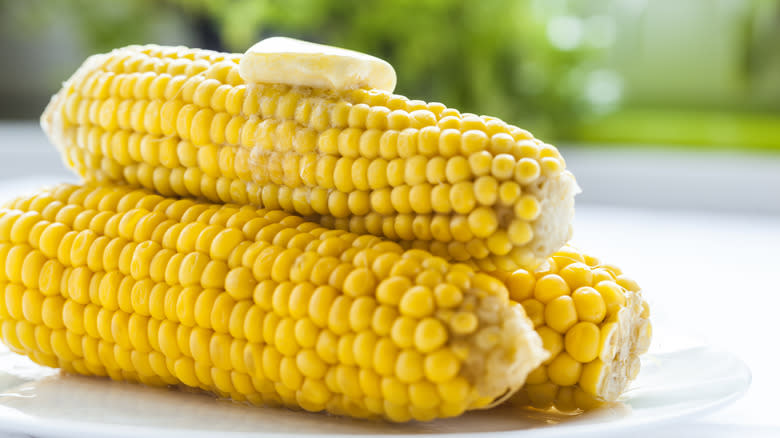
288 61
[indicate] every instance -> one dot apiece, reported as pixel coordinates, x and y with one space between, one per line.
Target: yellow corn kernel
582 341
576 275
612 294
527 170
527 208
521 285
429 335
564 370
589 304
550 287
417 302
483 222
537 376
509 192
560 314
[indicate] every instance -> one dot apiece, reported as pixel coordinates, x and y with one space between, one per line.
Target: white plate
39 401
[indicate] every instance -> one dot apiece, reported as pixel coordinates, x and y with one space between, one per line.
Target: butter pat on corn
289 61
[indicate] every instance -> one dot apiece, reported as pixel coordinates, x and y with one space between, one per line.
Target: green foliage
489 56
711 129
101 25
536 63
482 56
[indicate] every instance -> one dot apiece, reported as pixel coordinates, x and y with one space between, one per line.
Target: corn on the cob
592 320
254 305
183 122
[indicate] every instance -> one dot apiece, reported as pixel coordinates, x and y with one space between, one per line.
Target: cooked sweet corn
183 122
592 320
254 305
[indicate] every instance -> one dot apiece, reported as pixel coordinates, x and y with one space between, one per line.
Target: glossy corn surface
592 320
182 122
254 305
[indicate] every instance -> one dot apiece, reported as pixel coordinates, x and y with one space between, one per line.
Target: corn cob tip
51 120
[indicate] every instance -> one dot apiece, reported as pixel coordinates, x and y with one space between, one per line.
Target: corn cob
253 305
184 123
593 322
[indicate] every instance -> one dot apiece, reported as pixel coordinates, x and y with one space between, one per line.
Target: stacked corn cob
250 302
253 304
183 122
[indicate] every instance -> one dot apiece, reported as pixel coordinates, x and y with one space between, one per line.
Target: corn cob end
553 228
594 323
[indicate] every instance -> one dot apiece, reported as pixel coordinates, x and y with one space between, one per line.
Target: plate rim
18 422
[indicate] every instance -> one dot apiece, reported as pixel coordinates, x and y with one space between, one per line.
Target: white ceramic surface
38 401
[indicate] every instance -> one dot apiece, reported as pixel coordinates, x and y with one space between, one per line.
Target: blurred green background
699 73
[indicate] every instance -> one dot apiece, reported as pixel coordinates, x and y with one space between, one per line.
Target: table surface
714 273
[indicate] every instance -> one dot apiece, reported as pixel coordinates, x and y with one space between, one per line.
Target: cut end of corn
593 322
255 305
183 122
554 226
280 60
500 364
